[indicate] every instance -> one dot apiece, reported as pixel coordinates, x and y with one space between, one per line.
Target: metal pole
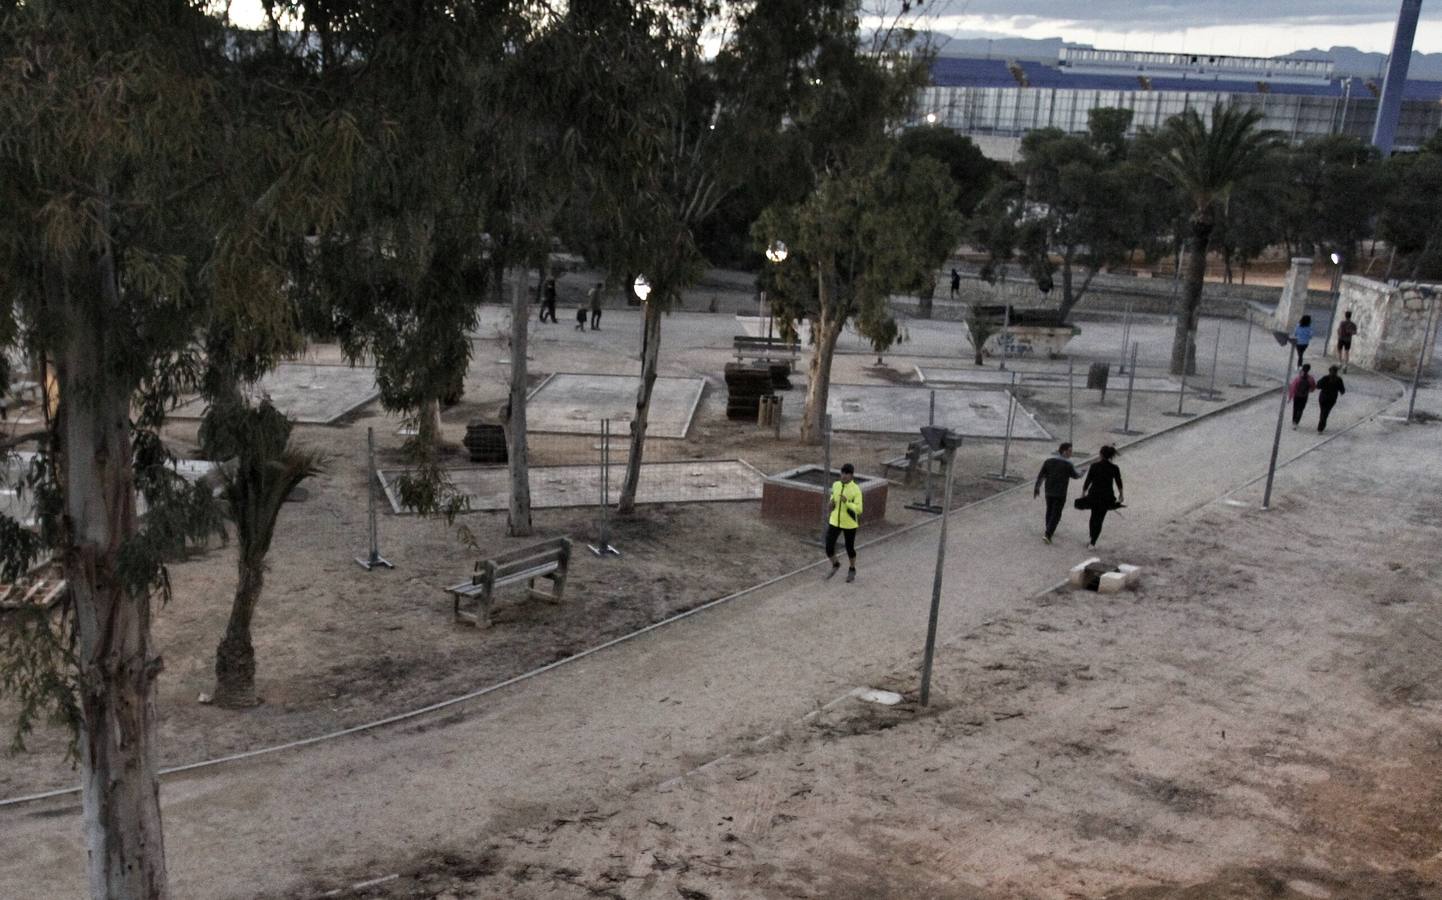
1181 398
1070 403
1005 331
826 478
1126 335
1421 358
930 421
936 585
1246 351
374 558
1131 382
603 545
1010 420
1216 349
1277 438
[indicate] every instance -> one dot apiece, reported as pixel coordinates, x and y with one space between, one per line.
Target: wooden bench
548 559
916 453
764 349
41 593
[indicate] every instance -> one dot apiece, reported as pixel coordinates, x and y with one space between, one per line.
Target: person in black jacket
1098 490
1329 388
1056 475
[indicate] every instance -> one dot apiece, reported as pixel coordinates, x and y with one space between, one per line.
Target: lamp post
1285 340
1421 358
777 253
947 441
1336 302
642 288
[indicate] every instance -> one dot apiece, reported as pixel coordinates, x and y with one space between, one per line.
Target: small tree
266 469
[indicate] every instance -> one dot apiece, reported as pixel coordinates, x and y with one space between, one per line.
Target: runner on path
1057 474
1098 491
1303 336
1329 388
845 519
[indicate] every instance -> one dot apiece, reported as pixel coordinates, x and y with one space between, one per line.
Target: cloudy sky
1241 27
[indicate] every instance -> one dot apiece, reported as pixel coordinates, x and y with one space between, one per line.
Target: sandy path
647 710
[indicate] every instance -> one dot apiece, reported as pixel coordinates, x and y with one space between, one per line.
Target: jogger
1300 389
845 519
1329 388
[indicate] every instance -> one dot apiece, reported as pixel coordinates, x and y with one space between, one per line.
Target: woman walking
1097 490
1302 336
1299 390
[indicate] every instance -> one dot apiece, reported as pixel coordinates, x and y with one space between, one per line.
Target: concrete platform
308 394
883 409
575 403
21 507
939 376
682 481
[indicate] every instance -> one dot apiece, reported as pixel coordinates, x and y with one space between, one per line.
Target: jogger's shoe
850 575
1046 539
835 567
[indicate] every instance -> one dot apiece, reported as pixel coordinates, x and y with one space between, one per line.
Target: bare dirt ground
1262 718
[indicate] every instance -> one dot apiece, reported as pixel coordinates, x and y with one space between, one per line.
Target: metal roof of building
950 71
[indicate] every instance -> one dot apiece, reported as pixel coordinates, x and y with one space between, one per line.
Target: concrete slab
940 375
682 481
575 403
309 394
885 409
20 506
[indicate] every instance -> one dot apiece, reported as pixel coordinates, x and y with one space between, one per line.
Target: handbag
1082 502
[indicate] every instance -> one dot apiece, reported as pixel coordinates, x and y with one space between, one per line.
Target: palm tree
266 470
1203 163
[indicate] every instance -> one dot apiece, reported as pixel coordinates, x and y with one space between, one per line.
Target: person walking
1097 494
1345 332
1302 336
1329 388
1299 390
955 283
548 301
594 295
845 519
1056 476
580 318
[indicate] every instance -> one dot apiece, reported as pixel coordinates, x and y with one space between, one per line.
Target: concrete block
1078 572
1111 583
1132 574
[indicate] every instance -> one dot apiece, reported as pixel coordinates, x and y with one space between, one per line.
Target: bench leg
483 612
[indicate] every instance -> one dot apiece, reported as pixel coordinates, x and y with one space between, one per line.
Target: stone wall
1391 322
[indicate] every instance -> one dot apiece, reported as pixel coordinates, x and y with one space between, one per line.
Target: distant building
996 101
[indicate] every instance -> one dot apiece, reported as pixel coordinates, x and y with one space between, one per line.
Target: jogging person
1329 388
955 283
1299 390
1345 332
1303 336
845 518
1056 475
1097 491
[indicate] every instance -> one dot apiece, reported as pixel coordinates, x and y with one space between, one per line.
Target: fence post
1181 398
1246 351
949 443
1212 395
928 505
1131 381
603 547
1126 335
1006 447
1070 402
372 476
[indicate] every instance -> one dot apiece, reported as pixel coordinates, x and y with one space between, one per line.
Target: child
581 319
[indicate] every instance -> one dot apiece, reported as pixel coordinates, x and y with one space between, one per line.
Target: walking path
643 712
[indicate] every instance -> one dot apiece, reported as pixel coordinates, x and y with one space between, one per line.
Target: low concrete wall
1391 322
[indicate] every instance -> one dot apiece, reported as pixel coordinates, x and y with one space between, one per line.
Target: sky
1233 27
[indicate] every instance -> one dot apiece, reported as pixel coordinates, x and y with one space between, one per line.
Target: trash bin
1097 376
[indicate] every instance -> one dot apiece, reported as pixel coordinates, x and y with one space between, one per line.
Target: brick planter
795 496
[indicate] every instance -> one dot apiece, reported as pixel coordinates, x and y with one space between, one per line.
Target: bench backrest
556 550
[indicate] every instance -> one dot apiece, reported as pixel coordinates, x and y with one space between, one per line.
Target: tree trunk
1071 298
827 330
120 790
235 655
925 298
428 425
650 358
1184 341
518 520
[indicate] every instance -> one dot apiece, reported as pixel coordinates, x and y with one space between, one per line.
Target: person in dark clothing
1329 388
1056 475
1098 490
1345 332
595 297
955 284
548 301
1300 389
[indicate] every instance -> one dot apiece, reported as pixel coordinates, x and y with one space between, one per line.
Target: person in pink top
1300 389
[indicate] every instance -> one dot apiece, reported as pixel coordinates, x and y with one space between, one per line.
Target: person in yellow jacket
845 518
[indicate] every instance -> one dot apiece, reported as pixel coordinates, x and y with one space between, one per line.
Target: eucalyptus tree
147 194
1204 161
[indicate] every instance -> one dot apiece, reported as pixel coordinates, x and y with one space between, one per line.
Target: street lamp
776 252
947 441
642 287
1285 340
1336 299
931 118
